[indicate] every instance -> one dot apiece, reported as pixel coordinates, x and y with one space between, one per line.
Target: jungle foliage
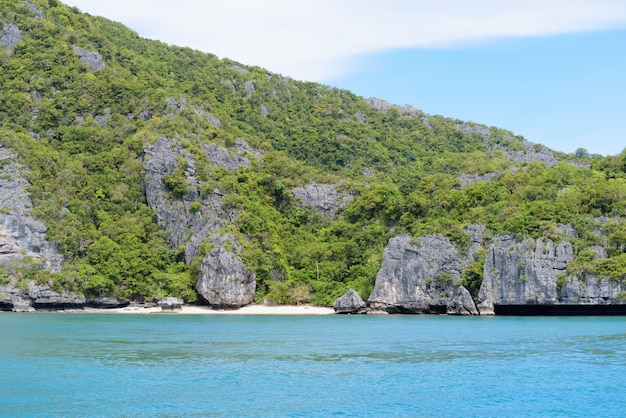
82 135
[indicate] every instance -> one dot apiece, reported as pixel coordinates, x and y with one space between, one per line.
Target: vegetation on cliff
81 121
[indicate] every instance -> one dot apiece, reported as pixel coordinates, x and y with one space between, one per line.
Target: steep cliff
419 276
190 218
521 276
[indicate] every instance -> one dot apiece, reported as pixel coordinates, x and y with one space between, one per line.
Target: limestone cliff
326 199
522 272
419 276
191 218
521 276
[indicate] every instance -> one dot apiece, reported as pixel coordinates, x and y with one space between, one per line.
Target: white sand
205 310
260 310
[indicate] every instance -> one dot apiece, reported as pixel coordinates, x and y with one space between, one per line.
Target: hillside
134 170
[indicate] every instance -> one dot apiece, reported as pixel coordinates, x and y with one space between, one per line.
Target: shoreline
207 310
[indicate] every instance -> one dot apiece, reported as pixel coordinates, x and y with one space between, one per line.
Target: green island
134 171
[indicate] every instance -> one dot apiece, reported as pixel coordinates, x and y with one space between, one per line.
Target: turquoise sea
91 365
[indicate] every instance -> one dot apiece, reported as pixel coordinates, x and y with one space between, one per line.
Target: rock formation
225 282
522 272
10 36
349 303
93 59
221 157
521 276
418 276
324 198
183 226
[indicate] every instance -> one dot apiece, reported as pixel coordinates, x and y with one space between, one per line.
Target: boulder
225 282
170 304
350 302
462 303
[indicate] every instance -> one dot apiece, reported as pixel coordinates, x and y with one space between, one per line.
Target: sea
168 365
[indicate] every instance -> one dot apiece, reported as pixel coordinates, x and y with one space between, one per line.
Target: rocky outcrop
35 10
173 107
92 59
184 226
324 198
221 157
465 179
385 106
349 303
522 272
520 276
532 152
418 276
225 282
20 235
43 298
471 129
10 36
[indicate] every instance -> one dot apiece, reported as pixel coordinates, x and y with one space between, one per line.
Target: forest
82 132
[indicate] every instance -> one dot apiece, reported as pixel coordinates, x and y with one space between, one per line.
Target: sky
553 71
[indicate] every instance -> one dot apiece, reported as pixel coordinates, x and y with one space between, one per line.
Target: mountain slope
154 166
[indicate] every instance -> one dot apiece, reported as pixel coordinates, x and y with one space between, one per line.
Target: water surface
174 365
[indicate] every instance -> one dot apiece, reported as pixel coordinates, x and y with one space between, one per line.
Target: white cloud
316 39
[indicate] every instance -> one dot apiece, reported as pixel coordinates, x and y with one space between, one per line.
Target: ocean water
91 365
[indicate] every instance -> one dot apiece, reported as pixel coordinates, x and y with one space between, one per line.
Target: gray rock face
93 59
12 299
238 69
225 282
384 106
248 87
35 10
170 304
462 303
173 107
533 152
221 157
20 235
465 179
10 36
182 227
324 198
590 291
417 276
470 130
45 298
522 272
349 303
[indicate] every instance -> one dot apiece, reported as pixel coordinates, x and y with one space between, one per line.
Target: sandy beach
205 310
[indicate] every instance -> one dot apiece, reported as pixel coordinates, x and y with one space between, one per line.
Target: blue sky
564 91
553 71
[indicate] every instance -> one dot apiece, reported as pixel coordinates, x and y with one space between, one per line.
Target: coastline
207 310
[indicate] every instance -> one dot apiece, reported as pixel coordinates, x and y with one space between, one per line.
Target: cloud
318 39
